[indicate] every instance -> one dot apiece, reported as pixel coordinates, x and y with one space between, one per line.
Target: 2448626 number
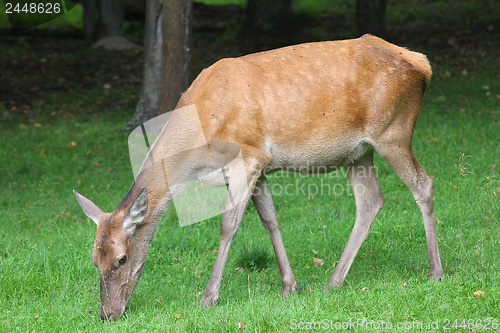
485 324
32 8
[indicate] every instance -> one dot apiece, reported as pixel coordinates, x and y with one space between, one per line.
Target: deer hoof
332 286
209 302
437 277
289 290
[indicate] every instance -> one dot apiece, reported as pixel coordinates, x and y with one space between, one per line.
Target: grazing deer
325 104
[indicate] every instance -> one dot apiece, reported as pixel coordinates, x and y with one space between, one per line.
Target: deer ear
88 207
137 211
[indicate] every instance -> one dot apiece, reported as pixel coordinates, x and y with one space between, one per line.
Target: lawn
62 139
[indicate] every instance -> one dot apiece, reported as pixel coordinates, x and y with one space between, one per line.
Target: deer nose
111 313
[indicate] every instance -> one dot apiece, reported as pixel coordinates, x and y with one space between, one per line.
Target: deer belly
316 158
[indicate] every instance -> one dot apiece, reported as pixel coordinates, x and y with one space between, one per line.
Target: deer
322 104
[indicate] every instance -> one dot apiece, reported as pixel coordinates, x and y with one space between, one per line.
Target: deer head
118 256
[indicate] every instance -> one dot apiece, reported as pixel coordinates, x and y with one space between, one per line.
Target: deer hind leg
369 201
402 160
240 191
263 202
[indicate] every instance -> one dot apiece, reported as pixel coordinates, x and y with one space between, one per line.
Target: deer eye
122 260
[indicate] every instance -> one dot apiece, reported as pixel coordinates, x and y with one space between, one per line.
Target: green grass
254 258
69 140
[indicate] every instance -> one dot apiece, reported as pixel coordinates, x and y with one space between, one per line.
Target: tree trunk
167 45
266 16
89 18
111 14
176 51
370 17
149 101
109 21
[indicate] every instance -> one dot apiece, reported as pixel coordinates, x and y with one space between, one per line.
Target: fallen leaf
494 166
318 262
241 326
403 284
178 315
479 293
72 144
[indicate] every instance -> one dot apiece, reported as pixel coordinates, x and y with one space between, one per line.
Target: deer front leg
239 197
231 221
263 202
